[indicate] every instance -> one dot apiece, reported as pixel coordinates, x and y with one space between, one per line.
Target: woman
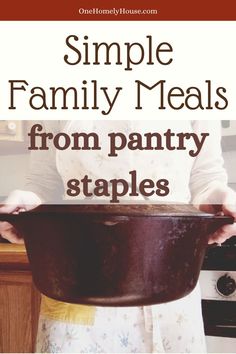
173 327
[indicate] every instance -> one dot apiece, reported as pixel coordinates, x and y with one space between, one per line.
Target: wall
13 169
230 161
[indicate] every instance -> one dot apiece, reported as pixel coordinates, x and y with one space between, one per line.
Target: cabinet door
19 309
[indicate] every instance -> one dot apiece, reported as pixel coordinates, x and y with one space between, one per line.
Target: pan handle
12 219
219 221
9 217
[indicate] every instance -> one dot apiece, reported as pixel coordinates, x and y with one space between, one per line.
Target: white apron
173 327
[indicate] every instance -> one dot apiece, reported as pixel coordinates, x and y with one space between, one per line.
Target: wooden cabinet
19 301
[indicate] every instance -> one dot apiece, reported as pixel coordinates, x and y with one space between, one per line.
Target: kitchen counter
19 301
13 257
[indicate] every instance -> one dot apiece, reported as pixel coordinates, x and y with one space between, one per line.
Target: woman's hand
18 201
223 202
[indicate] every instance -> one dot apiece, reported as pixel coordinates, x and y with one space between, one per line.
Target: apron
173 327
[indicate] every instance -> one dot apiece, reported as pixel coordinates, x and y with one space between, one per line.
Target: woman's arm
43 178
208 183
43 185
